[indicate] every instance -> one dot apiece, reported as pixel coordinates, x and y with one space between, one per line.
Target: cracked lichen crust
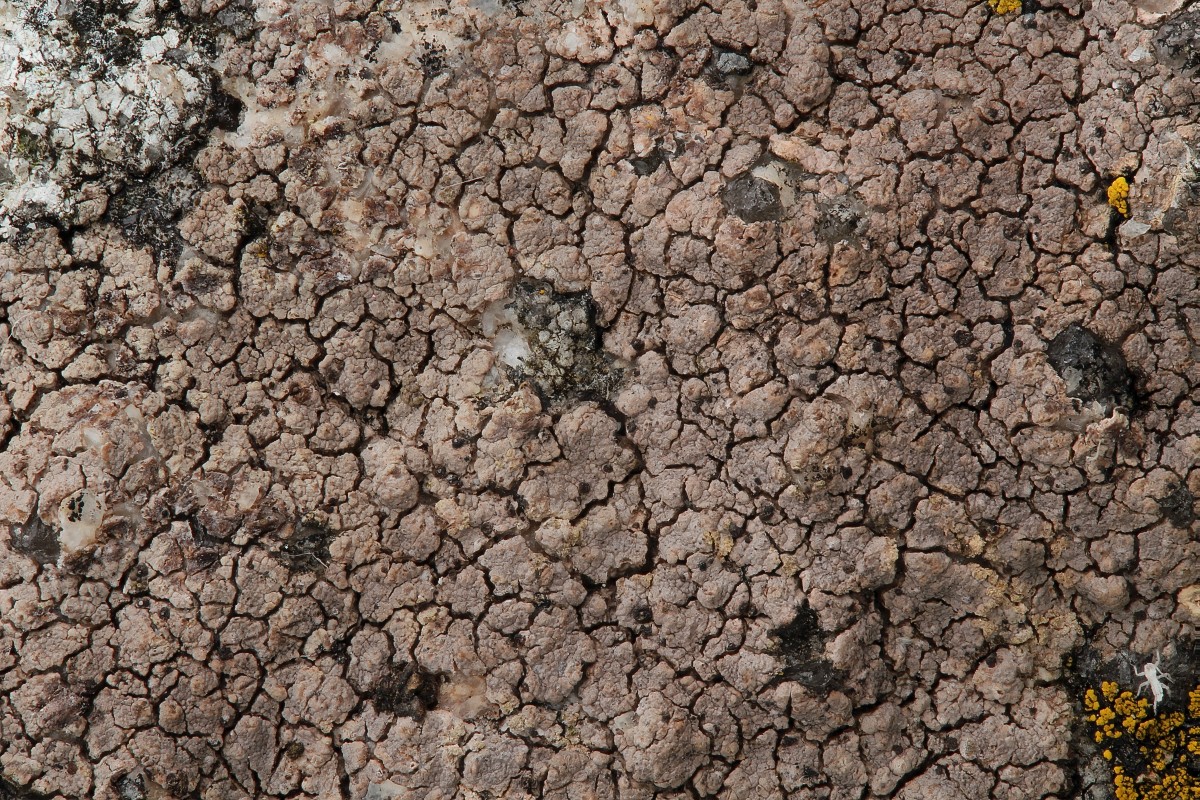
624 399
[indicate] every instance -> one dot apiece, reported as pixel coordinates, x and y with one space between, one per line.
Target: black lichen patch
10 791
406 690
566 361
800 644
1178 40
432 59
103 39
130 787
76 507
647 164
307 549
148 210
1178 506
839 220
226 111
1093 370
752 199
37 540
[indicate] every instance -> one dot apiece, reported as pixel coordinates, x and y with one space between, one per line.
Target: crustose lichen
1118 196
1005 6
1154 756
552 341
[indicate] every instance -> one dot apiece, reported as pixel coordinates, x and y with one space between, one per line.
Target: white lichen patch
91 94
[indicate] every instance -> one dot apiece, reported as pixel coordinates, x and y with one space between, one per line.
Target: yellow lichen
1005 6
1149 751
1118 196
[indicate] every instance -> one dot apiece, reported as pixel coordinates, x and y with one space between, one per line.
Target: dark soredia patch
1178 506
839 220
565 361
406 690
130 787
308 547
1093 370
752 199
800 646
37 540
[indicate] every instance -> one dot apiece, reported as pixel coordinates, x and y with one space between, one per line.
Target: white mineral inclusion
383 791
80 515
771 173
508 335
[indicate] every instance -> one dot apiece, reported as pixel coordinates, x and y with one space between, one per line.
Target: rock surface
622 399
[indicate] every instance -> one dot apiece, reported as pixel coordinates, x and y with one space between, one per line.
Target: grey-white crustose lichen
100 98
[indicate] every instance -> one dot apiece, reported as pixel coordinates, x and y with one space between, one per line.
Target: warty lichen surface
621 399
